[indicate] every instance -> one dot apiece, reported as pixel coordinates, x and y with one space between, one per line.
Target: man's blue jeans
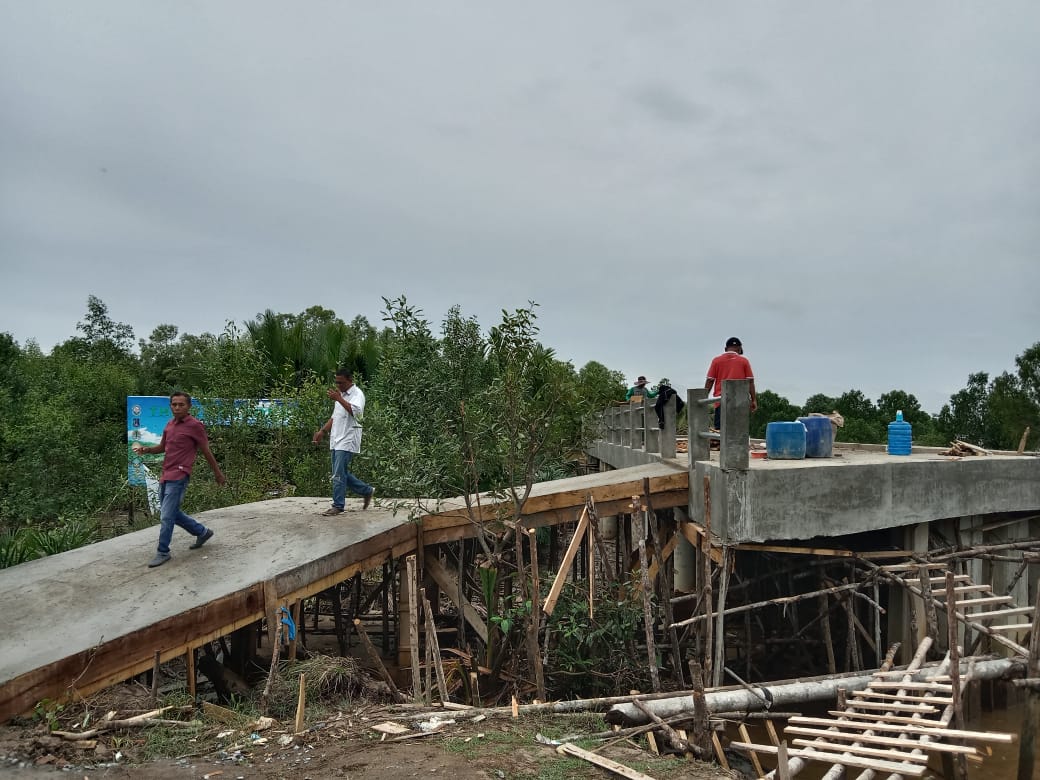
171 494
343 480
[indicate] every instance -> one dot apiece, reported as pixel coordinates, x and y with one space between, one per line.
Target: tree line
450 411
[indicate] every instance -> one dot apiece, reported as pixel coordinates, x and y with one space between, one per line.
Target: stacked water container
819 436
899 436
785 440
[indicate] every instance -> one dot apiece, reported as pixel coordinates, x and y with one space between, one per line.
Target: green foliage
771 408
587 656
69 534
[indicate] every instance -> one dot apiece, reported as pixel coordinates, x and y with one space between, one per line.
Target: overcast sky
851 188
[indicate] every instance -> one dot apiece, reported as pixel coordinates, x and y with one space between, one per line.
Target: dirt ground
345 744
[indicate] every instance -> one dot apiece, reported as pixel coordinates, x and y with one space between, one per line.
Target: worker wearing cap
640 388
731 364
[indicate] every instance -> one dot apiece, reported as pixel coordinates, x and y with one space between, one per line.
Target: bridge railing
635 425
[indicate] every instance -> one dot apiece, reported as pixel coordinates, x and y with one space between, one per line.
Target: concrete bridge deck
861 488
91 617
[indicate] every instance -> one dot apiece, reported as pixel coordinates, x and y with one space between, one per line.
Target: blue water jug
899 436
819 436
785 440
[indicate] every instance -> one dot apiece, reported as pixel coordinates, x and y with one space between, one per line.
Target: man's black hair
346 373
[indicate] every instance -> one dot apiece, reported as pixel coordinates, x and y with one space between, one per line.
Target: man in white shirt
344 429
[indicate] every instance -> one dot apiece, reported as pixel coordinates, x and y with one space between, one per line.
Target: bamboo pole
276 647
155 677
709 639
648 617
931 616
534 620
825 630
1030 728
435 649
301 705
959 763
413 626
720 617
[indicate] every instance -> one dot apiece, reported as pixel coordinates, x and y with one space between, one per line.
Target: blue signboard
147 415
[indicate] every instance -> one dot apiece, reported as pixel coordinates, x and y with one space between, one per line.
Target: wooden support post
435 649
301 705
648 617
276 647
337 619
720 629
960 763
825 629
535 619
782 772
1029 735
931 616
590 547
709 644
155 678
295 612
189 661
701 718
413 626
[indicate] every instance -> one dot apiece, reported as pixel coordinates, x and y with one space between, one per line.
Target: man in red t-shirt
731 364
182 440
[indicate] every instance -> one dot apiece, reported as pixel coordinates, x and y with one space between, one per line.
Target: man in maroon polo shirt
183 438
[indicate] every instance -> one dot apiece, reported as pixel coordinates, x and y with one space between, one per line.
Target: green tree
1009 411
964 417
771 408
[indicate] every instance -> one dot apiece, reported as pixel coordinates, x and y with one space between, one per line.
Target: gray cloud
822 181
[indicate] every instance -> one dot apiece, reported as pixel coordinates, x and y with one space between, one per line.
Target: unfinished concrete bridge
95 616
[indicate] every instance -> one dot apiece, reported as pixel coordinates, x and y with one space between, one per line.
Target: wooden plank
971 603
1011 627
569 749
999 613
695 535
889 706
908 728
859 750
565 564
873 716
774 548
742 728
874 739
969 589
911 686
897 697
449 586
915 770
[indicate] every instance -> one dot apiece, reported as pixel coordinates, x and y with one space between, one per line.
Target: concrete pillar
698 446
736 423
685 560
607 524
667 434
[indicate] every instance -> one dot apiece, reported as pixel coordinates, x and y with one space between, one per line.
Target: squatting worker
344 429
183 438
731 364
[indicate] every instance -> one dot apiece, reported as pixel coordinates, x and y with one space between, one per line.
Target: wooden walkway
92 617
895 726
